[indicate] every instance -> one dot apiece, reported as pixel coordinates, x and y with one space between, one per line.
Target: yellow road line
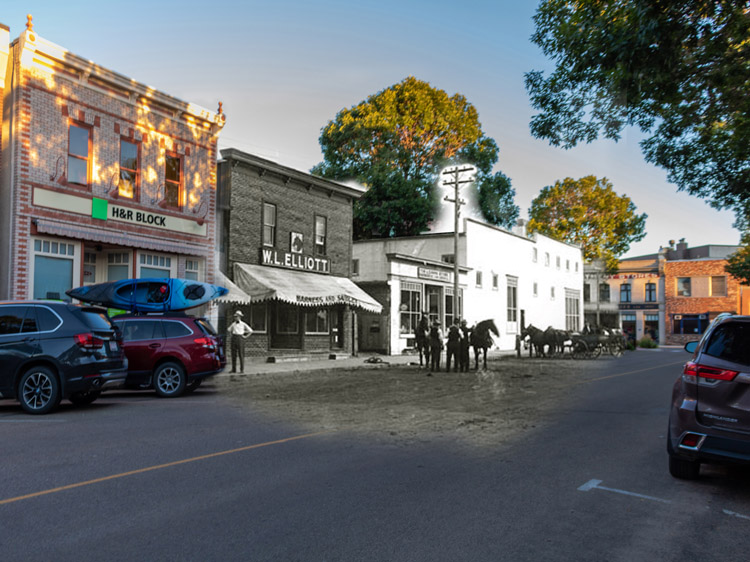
158 467
630 372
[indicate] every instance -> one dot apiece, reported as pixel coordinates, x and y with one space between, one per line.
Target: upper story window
586 292
567 265
650 292
557 262
129 169
534 255
173 190
683 286
448 258
355 267
546 259
321 227
625 292
718 286
269 224
79 154
495 281
604 295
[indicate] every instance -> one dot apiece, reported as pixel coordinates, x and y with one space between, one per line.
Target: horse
422 340
537 339
556 339
481 339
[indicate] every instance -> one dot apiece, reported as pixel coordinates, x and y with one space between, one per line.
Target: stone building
101 177
286 242
509 277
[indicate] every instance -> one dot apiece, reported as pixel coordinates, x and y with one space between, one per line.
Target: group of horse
586 344
480 339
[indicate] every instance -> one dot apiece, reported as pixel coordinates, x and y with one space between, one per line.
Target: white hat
238 313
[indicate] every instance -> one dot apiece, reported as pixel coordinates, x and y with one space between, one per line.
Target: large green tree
396 142
677 69
589 213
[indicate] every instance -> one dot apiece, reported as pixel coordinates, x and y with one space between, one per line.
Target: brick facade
246 182
49 92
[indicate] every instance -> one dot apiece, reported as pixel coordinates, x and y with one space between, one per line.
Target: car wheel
39 391
683 468
84 398
169 380
193 384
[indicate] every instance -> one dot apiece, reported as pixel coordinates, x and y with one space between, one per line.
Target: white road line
735 514
594 485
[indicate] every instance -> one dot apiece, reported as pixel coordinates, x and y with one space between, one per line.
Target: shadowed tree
589 213
396 142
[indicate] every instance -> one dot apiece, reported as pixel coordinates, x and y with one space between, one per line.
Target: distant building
509 277
101 178
671 295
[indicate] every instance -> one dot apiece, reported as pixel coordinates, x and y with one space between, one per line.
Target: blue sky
283 69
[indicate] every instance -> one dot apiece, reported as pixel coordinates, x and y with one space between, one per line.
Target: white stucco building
512 278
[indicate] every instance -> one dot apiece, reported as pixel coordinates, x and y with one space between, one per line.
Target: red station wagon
170 353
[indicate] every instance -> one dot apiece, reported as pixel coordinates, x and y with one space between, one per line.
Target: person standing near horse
421 335
463 347
238 331
453 347
436 345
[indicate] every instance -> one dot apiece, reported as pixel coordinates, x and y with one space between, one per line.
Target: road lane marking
628 373
594 485
159 467
735 514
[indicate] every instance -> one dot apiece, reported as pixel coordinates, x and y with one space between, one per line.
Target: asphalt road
199 478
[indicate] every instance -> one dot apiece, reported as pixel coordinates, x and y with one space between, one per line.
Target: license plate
113 345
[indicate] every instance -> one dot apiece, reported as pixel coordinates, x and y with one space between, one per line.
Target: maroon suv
170 353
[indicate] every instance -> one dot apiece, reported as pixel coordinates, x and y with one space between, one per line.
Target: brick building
101 178
286 242
671 295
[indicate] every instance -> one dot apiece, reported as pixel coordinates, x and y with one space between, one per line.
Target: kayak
149 295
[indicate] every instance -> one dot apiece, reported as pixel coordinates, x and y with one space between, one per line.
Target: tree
677 69
396 142
589 213
738 264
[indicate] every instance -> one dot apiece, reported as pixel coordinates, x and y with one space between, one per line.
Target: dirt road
406 403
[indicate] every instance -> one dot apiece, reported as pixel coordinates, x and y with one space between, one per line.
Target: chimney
520 228
681 248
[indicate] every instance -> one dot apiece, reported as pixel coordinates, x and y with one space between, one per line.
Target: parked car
171 353
50 350
709 421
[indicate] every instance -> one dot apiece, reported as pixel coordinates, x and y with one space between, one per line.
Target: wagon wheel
615 348
596 351
580 349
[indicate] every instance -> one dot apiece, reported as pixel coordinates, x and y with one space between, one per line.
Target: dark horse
481 339
537 339
421 335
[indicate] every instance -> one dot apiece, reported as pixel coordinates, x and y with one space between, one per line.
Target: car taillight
88 341
693 370
207 342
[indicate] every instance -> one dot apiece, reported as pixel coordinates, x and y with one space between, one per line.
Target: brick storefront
101 177
286 241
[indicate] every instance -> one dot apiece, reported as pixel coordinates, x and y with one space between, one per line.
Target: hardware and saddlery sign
433 274
289 260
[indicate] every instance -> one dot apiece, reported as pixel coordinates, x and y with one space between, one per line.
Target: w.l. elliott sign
291 260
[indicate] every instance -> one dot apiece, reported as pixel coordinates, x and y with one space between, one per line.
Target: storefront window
287 319
410 307
316 321
449 315
694 324
651 326
192 269
118 266
628 325
154 265
54 263
259 317
512 304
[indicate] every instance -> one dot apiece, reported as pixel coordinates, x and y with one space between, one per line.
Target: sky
283 69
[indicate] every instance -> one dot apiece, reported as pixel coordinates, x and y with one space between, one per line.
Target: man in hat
436 345
238 331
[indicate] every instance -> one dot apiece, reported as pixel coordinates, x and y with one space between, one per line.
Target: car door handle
154 345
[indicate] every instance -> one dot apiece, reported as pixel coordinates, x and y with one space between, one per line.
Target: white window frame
75 258
140 262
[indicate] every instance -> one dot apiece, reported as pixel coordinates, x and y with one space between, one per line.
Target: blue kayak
148 295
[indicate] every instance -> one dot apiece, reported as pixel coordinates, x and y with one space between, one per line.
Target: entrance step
310 357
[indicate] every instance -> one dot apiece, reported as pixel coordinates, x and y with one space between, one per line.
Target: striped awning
235 294
301 288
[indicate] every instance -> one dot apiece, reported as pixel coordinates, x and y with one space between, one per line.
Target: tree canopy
589 213
677 69
396 142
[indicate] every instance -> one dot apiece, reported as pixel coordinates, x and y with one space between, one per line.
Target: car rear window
205 326
731 342
137 330
95 319
175 329
48 321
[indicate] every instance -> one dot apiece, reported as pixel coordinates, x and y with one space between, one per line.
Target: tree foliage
396 142
738 264
589 213
677 69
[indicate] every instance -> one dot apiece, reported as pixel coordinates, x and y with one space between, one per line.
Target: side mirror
691 346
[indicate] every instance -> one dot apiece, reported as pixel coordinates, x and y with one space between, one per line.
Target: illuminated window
129 167
173 192
683 286
79 154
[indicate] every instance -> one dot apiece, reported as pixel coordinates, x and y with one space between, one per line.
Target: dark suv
170 353
710 416
52 350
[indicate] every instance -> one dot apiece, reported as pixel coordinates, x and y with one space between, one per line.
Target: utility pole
455 181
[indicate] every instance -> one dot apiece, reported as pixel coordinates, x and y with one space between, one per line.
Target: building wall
701 302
